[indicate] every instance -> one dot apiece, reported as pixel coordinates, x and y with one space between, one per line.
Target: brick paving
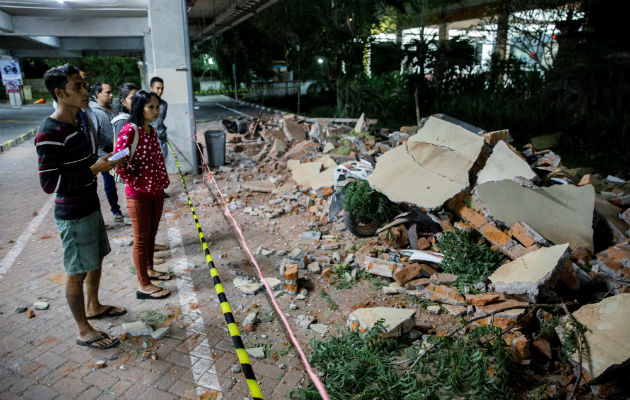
39 358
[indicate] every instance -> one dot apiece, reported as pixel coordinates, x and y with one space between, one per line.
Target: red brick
406 274
586 180
423 243
473 217
519 233
619 252
482 299
291 272
495 235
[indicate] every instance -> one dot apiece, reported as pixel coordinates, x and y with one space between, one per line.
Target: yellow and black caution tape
241 353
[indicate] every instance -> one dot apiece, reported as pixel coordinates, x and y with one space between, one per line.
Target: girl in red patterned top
146 178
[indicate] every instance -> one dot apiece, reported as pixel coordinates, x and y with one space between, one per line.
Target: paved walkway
39 358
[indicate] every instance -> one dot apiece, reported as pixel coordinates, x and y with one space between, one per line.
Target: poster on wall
10 69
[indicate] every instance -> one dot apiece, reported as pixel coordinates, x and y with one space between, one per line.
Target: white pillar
171 62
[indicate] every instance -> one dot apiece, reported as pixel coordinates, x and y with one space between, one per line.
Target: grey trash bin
215 147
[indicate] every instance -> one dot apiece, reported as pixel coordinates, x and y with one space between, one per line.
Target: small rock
236 368
30 314
314 267
112 357
311 235
282 366
392 289
251 288
138 328
263 336
300 296
266 252
304 321
240 281
40 305
319 328
256 352
251 319
330 246
292 306
122 368
123 241
442 278
433 309
20 309
160 332
275 283
100 364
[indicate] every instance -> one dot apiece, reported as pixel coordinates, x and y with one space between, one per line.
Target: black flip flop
161 277
147 296
103 335
107 313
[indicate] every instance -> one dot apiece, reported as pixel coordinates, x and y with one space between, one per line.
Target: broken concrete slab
442 278
303 173
530 274
396 320
560 213
439 158
619 228
322 329
260 186
503 164
407 273
304 321
323 179
607 335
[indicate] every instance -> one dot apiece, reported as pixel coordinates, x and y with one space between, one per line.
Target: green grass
471 261
329 301
361 366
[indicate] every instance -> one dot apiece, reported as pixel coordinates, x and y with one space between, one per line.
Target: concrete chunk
260 186
138 328
608 334
531 273
502 164
439 158
560 213
396 320
160 332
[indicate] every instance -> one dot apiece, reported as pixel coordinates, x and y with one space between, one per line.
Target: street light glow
320 60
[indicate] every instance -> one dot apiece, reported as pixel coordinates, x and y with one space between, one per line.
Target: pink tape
312 375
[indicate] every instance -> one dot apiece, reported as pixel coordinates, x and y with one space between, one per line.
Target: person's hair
138 101
96 89
123 92
57 77
156 79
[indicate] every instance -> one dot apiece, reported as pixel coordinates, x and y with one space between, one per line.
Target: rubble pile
562 234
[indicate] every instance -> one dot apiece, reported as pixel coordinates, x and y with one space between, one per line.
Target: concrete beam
44 53
94 27
6 22
48 41
98 43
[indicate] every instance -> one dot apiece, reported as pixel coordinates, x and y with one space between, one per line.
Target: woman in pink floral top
146 178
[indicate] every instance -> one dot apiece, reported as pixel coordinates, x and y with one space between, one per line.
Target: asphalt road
16 121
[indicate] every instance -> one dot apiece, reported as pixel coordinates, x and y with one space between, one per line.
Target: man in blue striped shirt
68 165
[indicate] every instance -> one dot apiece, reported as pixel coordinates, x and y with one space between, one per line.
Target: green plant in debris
268 317
153 317
329 301
471 261
344 147
573 340
284 350
343 278
367 204
547 329
375 281
363 366
422 303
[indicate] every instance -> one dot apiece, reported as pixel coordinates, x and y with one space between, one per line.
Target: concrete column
148 59
443 32
171 62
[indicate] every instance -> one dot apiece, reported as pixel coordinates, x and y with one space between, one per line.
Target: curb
20 139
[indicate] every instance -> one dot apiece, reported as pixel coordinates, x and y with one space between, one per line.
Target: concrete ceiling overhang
50 28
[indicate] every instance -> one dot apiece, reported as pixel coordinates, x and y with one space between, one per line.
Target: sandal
164 276
149 296
102 336
109 312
